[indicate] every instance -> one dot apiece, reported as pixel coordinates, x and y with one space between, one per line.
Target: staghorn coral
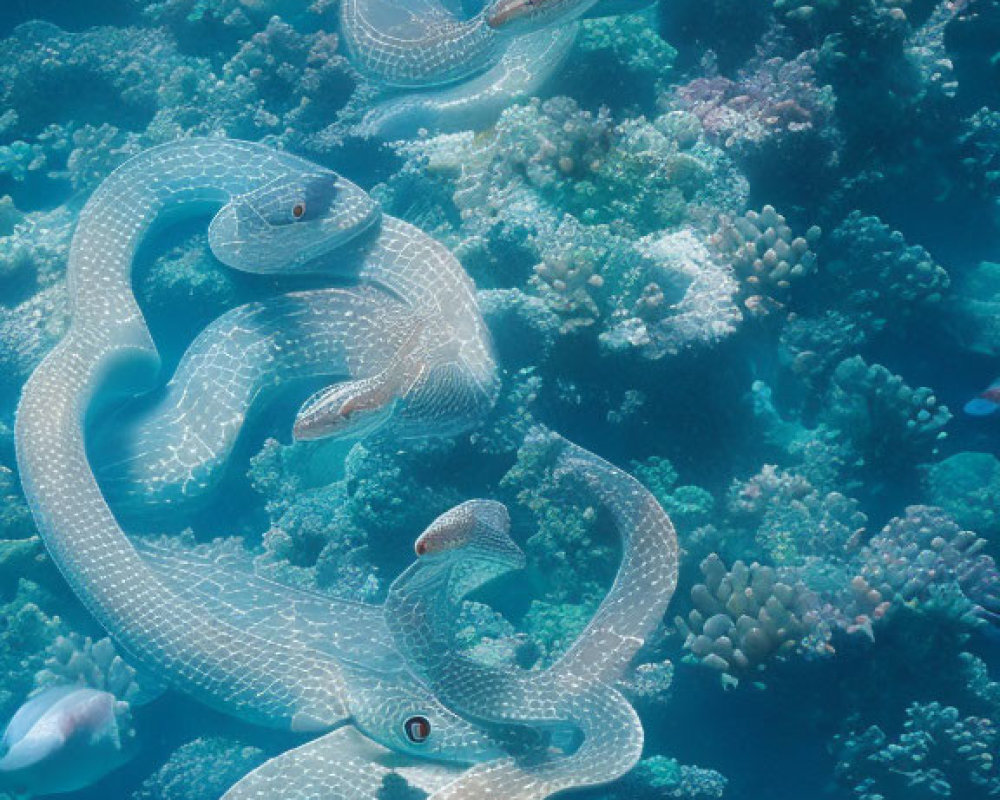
766 257
748 615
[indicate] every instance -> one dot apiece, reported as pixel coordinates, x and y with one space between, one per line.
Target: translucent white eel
272 654
452 72
278 214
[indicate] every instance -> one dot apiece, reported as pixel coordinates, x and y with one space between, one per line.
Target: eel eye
298 210
421 548
418 729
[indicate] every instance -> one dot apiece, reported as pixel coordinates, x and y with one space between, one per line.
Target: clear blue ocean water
746 252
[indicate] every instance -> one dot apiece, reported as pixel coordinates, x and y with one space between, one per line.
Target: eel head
285 225
519 17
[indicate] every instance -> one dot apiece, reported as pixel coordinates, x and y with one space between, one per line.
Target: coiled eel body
452 72
279 213
269 653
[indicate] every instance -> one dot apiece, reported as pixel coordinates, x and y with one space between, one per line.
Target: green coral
689 507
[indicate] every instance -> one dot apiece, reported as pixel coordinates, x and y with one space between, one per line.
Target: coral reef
747 615
200 769
939 753
645 239
767 259
925 557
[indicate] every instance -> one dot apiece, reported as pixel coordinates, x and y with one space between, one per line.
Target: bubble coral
766 256
748 615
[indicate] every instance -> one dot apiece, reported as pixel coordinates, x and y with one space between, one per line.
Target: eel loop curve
459 71
273 655
278 213
576 692
410 342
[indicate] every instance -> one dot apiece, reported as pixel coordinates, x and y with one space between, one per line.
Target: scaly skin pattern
460 73
268 681
420 349
415 43
526 64
469 545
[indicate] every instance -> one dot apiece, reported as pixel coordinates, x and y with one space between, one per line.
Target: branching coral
925 558
200 769
889 423
880 274
967 486
774 119
97 665
659 776
793 520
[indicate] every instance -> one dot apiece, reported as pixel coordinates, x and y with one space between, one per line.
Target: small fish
64 739
985 403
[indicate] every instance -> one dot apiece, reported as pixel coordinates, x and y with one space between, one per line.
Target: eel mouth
505 12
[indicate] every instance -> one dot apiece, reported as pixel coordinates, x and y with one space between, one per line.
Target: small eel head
352 409
525 16
470 544
287 224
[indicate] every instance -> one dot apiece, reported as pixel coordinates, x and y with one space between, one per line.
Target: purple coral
921 556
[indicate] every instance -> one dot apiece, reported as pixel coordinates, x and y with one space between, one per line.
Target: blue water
747 252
